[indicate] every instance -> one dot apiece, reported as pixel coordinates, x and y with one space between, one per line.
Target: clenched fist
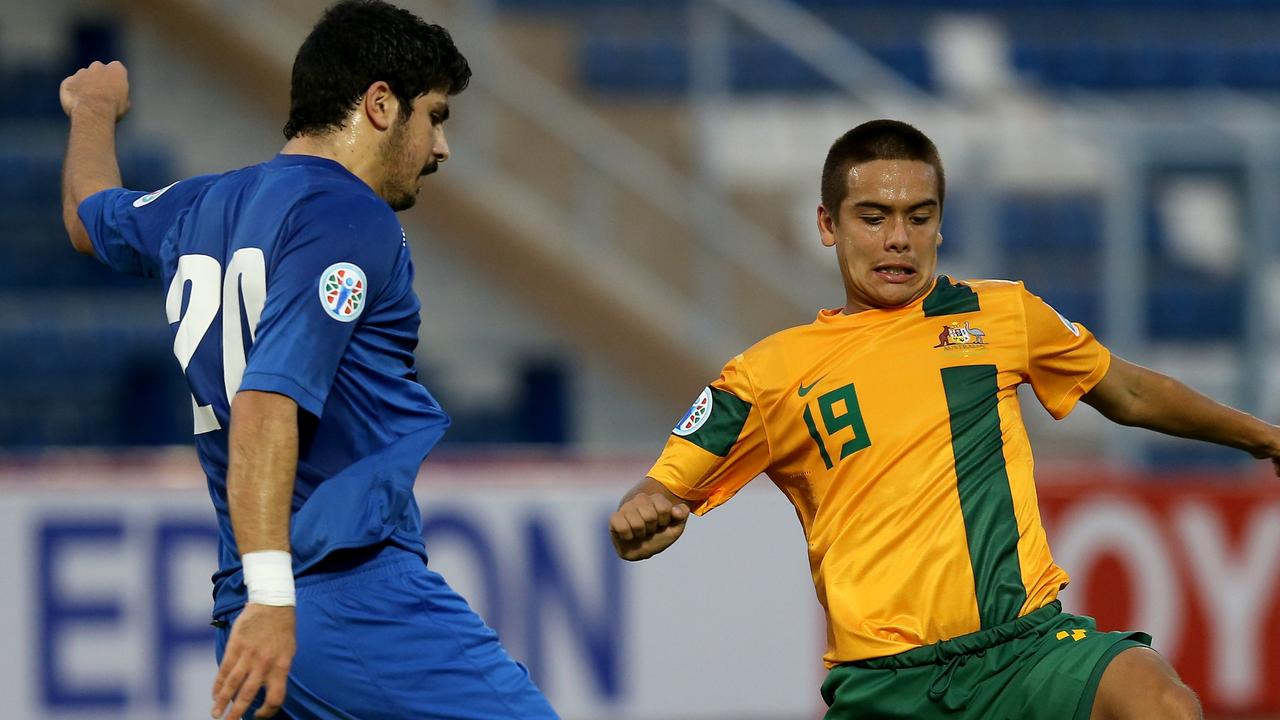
646 524
104 88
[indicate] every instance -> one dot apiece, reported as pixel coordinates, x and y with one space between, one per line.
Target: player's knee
1179 702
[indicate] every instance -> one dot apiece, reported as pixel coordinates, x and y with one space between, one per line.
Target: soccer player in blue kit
290 295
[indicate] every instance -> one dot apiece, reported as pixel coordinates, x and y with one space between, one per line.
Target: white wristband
268 574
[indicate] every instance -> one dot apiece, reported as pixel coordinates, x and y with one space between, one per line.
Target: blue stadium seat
1036 224
81 371
1198 6
1168 66
1053 243
30 180
1098 45
31 218
1195 308
538 413
103 387
660 64
32 91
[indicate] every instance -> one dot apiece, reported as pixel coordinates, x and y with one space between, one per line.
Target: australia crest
961 335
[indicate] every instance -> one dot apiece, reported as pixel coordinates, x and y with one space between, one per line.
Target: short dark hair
875 140
357 43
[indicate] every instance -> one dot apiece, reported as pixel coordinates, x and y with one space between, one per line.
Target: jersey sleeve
718 446
329 274
1064 359
127 227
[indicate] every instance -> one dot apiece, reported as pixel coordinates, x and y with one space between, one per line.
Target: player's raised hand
104 88
1270 450
646 524
258 654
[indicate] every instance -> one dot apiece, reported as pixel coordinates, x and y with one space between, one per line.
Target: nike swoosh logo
804 389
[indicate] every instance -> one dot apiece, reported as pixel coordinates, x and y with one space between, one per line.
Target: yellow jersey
898 436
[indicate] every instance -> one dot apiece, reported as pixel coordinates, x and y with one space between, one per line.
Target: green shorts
1043 666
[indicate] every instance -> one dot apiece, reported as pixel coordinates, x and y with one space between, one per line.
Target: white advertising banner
105 586
105 583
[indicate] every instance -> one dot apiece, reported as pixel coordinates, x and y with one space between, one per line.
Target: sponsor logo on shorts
697 415
342 291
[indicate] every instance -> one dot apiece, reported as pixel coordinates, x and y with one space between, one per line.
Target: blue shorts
388 638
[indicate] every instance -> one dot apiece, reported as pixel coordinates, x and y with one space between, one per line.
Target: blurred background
630 203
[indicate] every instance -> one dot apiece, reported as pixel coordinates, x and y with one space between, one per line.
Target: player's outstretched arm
263 448
1133 395
649 519
95 99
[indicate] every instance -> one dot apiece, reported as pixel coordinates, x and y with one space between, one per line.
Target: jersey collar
837 316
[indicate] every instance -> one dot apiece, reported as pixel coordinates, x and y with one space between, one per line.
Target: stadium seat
629 47
91 373
1053 243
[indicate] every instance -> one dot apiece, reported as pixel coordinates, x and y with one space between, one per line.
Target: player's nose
441 148
896 237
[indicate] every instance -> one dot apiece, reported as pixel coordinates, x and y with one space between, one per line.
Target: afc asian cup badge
342 291
696 416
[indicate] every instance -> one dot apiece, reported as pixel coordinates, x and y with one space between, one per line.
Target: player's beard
401 188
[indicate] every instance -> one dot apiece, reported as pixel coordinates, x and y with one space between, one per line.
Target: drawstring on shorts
940 688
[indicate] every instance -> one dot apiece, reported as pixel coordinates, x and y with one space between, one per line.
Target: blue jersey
291 277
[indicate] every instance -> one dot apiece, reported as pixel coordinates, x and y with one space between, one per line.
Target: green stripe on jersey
720 430
985 498
817 439
949 299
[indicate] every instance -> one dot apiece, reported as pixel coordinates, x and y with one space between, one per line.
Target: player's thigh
408 646
469 669
1138 684
854 692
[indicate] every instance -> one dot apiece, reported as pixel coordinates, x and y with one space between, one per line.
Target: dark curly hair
357 43
876 140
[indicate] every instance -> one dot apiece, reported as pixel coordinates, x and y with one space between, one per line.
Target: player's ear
381 105
826 226
939 242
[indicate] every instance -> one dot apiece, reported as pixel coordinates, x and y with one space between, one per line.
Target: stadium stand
94 358
83 340
1053 239
633 52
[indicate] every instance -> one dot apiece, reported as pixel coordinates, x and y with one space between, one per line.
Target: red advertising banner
1192 560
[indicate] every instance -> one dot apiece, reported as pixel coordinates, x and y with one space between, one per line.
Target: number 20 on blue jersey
246 275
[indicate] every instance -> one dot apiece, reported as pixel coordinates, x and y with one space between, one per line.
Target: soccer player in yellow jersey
893 426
